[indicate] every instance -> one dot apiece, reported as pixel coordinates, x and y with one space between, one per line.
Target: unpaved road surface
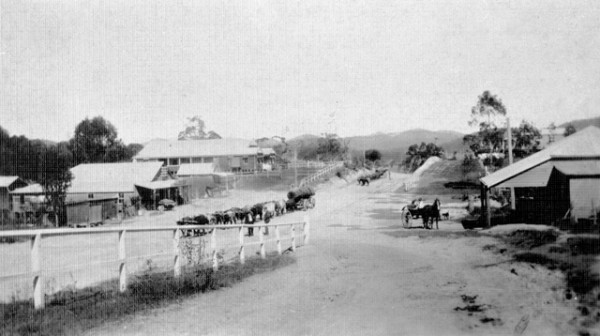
363 274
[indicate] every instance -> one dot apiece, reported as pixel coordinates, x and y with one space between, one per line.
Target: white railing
37 236
316 176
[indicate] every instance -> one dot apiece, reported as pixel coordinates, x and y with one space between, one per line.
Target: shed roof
30 189
578 167
166 184
158 149
6 181
112 177
195 169
581 145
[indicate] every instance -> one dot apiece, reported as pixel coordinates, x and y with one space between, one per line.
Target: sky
256 68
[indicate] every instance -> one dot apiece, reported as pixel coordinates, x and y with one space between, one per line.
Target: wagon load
298 194
301 198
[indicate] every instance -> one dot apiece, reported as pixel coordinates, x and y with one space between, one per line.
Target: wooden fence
36 237
316 176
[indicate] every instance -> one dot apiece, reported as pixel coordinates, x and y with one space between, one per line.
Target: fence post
213 245
306 229
261 239
278 237
242 251
293 234
122 268
38 289
176 252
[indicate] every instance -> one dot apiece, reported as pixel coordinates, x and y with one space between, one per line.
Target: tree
196 130
485 115
569 129
373 155
418 154
527 138
95 140
55 178
330 147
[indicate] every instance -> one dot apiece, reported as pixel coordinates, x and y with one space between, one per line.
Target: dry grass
73 312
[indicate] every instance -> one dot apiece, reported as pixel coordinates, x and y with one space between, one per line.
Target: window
184 160
164 161
121 195
197 160
90 195
245 160
173 162
208 160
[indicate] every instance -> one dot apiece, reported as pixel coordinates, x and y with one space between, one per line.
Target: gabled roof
581 145
6 181
195 169
112 177
158 149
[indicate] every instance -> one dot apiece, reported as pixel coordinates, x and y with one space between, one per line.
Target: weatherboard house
562 181
226 155
99 191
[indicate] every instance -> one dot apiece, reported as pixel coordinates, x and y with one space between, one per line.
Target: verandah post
122 267
36 269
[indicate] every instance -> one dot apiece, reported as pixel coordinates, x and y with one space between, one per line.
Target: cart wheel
406 218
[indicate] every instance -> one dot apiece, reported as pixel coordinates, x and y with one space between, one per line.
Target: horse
280 207
431 212
257 210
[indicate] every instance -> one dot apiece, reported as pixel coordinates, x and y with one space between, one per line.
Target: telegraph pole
510 162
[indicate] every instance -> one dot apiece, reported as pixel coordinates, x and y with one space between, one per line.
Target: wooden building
226 155
562 181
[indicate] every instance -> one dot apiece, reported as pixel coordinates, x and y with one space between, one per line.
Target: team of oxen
300 198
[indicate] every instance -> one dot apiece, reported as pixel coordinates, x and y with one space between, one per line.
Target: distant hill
392 146
583 123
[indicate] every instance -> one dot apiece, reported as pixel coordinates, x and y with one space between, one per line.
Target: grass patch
72 312
528 239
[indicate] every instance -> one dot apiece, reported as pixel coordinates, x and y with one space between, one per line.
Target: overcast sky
263 68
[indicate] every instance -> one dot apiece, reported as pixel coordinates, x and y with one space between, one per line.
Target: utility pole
510 162
296 167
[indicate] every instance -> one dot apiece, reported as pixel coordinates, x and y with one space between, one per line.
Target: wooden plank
122 260
38 283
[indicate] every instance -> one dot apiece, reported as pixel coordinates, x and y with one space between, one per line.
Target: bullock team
247 215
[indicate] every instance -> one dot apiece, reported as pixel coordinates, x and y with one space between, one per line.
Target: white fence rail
316 176
37 236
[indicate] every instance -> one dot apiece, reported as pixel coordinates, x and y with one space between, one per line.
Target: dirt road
362 274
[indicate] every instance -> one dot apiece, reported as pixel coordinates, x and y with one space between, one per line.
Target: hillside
392 145
583 123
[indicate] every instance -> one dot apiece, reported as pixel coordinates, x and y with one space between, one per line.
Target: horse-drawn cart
429 213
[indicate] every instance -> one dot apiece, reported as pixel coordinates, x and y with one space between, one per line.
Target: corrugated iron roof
158 149
112 177
578 167
166 184
583 144
6 181
30 189
536 177
195 169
